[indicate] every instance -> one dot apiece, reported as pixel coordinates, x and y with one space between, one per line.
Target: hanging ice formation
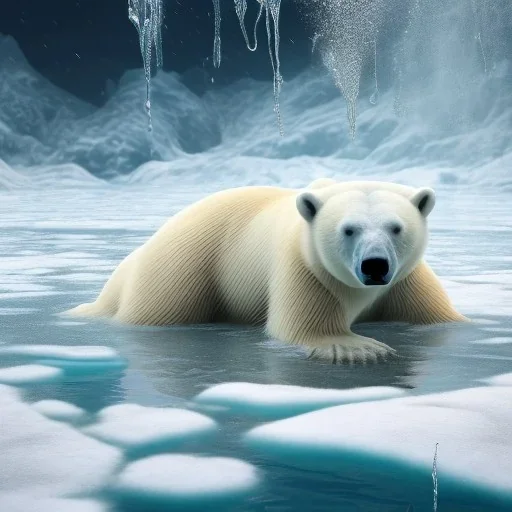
241 9
272 11
374 98
349 30
147 16
216 39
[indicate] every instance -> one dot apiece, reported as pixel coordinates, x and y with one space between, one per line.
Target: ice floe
59 410
187 479
135 427
48 459
274 400
29 374
472 427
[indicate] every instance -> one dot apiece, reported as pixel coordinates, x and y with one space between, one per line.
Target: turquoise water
57 249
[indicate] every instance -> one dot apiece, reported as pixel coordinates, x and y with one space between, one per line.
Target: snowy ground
58 247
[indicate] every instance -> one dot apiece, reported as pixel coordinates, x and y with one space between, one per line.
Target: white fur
280 258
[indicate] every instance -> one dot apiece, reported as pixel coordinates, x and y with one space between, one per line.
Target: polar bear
306 264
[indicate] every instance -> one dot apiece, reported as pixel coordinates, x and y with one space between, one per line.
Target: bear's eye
396 230
349 231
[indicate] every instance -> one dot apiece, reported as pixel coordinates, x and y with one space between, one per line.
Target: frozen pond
59 247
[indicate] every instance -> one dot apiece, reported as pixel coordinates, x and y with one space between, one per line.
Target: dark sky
79 44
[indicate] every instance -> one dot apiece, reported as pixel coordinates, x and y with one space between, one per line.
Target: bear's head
365 233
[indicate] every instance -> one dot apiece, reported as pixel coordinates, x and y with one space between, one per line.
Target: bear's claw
353 350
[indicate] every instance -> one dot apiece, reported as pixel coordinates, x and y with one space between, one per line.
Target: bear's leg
302 312
418 299
107 303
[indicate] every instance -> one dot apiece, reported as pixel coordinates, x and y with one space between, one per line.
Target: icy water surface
57 250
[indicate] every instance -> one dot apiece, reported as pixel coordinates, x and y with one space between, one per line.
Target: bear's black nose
374 270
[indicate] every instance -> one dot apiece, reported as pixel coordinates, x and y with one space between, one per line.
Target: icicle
399 107
241 9
478 35
216 40
147 16
272 8
374 98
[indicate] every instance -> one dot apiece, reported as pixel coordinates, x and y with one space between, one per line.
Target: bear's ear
308 205
424 199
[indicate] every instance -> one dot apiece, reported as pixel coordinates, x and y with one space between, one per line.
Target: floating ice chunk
47 459
71 357
78 352
499 380
187 479
21 503
274 400
29 374
472 427
135 427
59 411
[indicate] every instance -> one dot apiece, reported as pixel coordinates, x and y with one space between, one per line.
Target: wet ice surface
57 249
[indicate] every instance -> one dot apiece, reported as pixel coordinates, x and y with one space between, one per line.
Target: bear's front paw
352 349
